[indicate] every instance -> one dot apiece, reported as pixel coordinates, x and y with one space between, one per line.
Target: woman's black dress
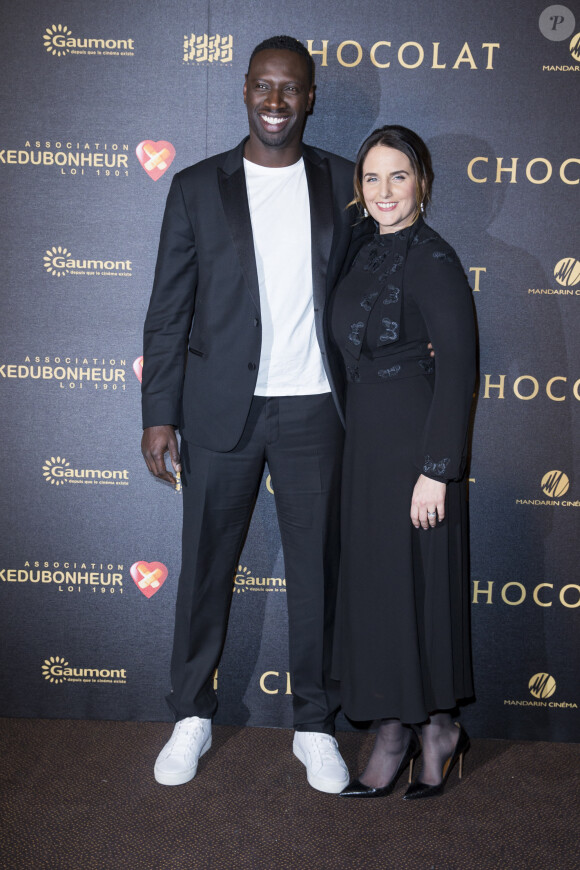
402 646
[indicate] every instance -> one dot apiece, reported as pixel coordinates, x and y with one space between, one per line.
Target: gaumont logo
138 368
60 41
149 577
69 371
542 687
385 53
557 23
245 581
59 261
155 157
56 669
202 48
57 471
511 170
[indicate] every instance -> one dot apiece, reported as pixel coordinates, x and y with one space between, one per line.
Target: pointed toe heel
358 789
420 789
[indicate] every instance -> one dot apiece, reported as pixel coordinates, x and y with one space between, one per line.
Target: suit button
252 366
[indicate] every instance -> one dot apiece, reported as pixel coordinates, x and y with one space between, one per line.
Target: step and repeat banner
104 102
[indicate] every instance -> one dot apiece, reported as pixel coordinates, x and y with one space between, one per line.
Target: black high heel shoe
356 788
420 789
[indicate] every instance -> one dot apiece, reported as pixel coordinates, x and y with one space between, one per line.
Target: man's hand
156 442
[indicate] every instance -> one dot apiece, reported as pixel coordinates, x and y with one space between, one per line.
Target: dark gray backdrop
493 95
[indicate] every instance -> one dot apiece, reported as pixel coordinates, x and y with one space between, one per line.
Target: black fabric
206 294
300 437
402 641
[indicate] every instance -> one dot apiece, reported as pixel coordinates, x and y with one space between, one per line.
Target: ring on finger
431 514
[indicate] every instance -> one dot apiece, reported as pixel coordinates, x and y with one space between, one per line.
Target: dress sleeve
435 280
169 316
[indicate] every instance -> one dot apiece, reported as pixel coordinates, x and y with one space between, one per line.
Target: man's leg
219 493
304 452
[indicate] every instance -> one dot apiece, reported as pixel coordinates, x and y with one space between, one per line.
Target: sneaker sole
326 785
184 776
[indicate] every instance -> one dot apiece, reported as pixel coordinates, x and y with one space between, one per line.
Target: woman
402 645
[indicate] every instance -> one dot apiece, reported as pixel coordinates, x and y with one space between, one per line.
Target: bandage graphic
156 158
149 577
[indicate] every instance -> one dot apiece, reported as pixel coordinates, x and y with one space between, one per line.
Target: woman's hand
427 502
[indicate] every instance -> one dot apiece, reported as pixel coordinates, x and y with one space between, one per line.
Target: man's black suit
202 343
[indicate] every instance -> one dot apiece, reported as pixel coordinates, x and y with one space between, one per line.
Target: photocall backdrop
105 101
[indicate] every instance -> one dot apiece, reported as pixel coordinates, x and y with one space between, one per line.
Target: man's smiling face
278 95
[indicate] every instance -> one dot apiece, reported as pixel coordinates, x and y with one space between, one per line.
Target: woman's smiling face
389 188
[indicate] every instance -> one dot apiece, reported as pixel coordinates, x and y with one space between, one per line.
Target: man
251 245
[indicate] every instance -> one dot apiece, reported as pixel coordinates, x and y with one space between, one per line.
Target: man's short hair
286 43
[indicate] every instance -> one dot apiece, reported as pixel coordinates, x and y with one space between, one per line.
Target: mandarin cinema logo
542 687
567 274
70 575
60 262
57 471
60 41
56 669
101 159
554 485
69 372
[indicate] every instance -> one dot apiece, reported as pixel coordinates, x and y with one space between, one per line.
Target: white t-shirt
290 361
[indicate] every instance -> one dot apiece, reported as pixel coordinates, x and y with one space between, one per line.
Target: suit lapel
232 185
321 221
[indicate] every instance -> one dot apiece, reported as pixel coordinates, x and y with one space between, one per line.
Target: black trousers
301 439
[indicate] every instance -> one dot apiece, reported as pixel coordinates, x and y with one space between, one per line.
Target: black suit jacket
203 331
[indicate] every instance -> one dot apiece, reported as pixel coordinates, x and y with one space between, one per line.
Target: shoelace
324 745
182 736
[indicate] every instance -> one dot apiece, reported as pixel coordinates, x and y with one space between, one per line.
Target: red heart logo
138 368
149 577
155 157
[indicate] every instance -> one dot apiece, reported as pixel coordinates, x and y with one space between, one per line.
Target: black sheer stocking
439 736
390 743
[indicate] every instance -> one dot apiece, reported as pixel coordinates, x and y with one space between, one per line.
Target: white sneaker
325 767
177 761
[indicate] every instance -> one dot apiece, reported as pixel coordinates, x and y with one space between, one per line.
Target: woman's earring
422 208
365 212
